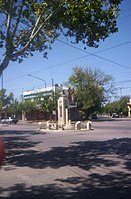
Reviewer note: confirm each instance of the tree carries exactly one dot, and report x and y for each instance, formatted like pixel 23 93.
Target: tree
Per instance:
pixel 111 107
pixel 92 88
pixel 47 101
pixel 28 106
pixel 48 105
pixel 33 25
pixel 5 100
pixel 118 106
pixel 123 105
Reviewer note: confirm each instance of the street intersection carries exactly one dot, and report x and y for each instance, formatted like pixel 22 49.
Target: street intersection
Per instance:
pixel 67 164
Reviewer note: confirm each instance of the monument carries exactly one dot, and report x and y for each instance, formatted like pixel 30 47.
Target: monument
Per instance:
pixel 63 104
pixel 66 111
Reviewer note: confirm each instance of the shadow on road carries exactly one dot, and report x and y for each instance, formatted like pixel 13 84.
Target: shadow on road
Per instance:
pixel 85 155
pixel 20 191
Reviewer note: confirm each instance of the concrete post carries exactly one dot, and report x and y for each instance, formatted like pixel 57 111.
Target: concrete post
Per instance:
pixel 89 125
pixel 23 116
pixel 62 110
pixel 129 111
pixel 67 116
pixel 78 125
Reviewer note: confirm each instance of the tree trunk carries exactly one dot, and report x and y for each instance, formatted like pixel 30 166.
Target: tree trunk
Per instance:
pixel 4 64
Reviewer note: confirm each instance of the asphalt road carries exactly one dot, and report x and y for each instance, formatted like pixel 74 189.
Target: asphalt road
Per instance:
pixel 59 165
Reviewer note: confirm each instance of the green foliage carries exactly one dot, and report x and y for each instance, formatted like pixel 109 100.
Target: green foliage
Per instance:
pixel 7 103
pixel 44 101
pixel 123 105
pixel 49 101
pixel 5 100
pixel 28 106
pixel 33 25
pixel 92 88
pixel 48 104
pixel 119 106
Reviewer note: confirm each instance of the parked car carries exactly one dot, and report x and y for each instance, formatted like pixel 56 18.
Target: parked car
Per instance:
pixel 115 115
pixel 9 120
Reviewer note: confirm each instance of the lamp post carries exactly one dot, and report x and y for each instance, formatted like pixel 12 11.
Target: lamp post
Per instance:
pixel 38 78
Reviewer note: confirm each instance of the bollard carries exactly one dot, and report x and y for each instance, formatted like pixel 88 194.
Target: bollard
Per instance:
pixel 78 125
pixel 48 125
pixel 89 125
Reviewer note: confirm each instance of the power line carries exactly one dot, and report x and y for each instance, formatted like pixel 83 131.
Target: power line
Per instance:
pixel 124 87
pixel 122 82
pixel 126 20
pixel 69 61
pixel 94 54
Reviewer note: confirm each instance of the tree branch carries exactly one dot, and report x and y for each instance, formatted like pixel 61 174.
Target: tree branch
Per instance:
pixel 18 19
pixel 22 36
pixel 9 18
pixel 40 27
pixel 35 31
pixel 36 26
pixel 4 64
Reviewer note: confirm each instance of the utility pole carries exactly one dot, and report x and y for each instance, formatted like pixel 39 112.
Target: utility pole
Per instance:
pixel 1 93
pixel 2 81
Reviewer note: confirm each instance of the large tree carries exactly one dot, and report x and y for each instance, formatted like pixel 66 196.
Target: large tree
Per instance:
pixel 92 88
pixel 33 25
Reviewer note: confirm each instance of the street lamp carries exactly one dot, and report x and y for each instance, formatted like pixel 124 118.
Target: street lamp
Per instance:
pixel 38 78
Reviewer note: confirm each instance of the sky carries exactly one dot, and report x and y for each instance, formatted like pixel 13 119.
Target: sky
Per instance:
pixel 113 57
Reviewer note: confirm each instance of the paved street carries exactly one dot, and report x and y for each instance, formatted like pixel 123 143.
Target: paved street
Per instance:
pixel 59 165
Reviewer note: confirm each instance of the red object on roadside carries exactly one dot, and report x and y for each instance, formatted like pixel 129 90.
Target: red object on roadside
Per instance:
pixel 1 151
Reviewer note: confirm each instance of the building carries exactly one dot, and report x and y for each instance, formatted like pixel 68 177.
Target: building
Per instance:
pixel 35 93
pixel 41 92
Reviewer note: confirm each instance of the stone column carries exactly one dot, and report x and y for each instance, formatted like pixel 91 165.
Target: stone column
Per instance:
pixel 67 116
pixel 62 112
pixel 129 111
pixel 23 116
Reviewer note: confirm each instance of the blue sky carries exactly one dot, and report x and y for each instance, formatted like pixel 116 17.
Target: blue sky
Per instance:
pixel 62 58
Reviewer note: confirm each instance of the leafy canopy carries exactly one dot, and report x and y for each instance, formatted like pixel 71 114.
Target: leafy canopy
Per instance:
pixel 118 106
pixel 5 100
pixel 92 88
pixel 33 25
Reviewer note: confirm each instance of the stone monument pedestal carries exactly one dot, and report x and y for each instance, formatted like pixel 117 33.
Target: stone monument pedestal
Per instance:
pixel 63 115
